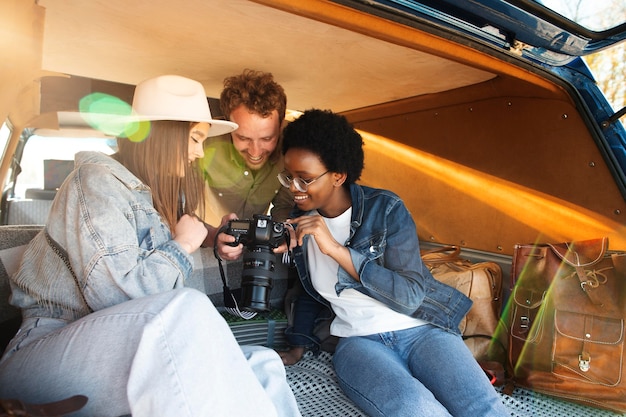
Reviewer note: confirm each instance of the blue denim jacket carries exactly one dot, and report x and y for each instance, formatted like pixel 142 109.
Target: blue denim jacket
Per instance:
pixel 385 252
pixel 117 245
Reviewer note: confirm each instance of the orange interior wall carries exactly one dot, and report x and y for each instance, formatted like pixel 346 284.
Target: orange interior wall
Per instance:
pixel 493 165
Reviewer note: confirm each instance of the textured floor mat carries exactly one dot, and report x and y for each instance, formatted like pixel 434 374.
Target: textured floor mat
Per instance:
pixel 314 384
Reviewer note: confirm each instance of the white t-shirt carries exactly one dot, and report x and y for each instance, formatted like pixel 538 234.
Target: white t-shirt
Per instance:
pixel 357 314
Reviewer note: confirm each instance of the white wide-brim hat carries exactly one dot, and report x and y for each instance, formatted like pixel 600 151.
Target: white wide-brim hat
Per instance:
pixel 172 97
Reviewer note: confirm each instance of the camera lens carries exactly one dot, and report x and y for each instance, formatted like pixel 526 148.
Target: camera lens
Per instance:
pixel 256 278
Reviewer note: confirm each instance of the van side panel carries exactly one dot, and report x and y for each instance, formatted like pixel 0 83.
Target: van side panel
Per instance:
pixel 532 171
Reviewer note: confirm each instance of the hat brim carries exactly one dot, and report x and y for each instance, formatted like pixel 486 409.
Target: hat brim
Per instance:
pixel 218 127
pixel 115 123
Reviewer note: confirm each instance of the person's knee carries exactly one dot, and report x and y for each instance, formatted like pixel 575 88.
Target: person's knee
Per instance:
pixel 183 303
pixel 263 359
pixel 193 299
pixel 260 354
pixel 190 293
pixel 352 346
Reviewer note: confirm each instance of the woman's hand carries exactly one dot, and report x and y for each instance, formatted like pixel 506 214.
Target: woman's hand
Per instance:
pixel 282 248
pixel 292 355
pixel 190 233
pixel 316 227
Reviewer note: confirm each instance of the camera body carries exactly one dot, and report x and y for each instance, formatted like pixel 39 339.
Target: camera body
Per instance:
pixel 259 237
pixel 260 231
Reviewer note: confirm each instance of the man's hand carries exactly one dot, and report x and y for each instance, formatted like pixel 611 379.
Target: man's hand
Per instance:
pixel 224 250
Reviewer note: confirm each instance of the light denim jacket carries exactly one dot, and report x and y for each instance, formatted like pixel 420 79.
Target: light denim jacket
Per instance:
pixel 116 243
pixel 384 247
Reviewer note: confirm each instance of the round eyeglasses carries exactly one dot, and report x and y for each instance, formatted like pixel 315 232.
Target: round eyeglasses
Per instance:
pixel 301 185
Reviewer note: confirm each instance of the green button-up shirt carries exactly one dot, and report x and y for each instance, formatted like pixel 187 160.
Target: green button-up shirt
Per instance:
pixel 232 187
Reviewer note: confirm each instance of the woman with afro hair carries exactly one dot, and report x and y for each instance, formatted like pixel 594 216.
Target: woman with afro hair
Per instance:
pixel 400 352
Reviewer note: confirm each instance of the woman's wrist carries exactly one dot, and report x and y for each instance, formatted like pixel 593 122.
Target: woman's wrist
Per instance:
pixel 187 246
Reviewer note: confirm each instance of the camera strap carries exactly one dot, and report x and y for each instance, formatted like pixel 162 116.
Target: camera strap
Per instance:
pixel 230 301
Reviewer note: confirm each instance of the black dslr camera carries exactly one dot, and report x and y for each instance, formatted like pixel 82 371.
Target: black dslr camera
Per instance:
pixel 258 236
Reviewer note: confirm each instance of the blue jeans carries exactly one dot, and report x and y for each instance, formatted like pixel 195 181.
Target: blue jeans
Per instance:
pixel 169 354
pixel 422 371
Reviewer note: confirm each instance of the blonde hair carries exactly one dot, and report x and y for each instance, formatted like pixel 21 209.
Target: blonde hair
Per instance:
pixel 158 162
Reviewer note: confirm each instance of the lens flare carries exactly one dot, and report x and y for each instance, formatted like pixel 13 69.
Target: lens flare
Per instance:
pixel 136 131
pixel 103 111
pixel 113 116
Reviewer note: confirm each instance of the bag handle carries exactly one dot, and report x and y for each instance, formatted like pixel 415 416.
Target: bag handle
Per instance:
pixel 441 255
pixel 581 253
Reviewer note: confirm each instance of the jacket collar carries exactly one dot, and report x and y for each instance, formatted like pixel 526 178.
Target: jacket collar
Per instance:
pixel 358 196
pixel 120 171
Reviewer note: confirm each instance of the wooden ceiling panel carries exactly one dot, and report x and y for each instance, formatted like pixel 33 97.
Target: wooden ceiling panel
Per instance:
pixel 318 64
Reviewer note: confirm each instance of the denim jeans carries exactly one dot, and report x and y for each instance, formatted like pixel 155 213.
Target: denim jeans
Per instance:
pixel 169 354
pixel 422 371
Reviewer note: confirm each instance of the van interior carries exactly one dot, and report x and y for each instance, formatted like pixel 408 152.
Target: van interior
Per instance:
pixel 485 153
pixel 487 149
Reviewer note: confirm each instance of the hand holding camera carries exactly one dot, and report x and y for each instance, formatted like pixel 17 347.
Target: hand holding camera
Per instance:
pixel 259 237
pixel 221 242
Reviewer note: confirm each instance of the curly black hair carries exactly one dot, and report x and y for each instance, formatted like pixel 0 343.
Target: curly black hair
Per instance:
pixel 331 137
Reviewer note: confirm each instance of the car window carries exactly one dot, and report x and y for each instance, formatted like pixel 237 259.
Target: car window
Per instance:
pixel 595 15
pixel 39 149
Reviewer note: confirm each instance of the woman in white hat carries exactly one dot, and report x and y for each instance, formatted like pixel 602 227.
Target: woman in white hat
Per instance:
pixel 104 310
